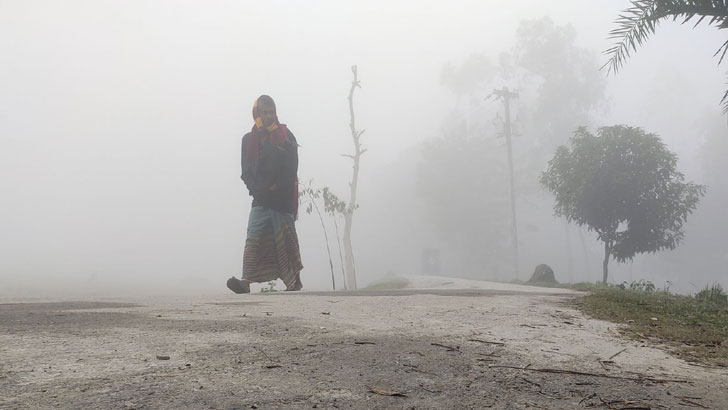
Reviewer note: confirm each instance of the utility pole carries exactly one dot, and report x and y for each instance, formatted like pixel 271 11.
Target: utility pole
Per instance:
pixel 505 94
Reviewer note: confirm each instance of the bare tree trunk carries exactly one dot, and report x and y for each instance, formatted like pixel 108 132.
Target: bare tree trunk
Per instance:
pixel 569 254
pixel 605 268
pixel 341 257
pixel 351 207
pixel 587 269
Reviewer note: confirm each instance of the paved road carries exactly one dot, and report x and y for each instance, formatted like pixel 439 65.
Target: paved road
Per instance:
pixel 408 349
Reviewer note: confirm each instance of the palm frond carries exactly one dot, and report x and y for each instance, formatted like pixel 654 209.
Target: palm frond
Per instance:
pixel 724 47
pixel 634 26
pixel 724 101
pixel 638 22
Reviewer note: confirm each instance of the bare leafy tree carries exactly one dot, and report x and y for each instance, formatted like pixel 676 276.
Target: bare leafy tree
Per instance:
pixel 638 22
pixel 352 205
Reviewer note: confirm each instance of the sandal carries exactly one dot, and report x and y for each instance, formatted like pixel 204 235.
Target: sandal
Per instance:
pixel 238 286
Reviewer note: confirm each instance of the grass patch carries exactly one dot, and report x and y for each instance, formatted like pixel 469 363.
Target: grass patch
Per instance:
pixel 539 284
pixel 589 286
pixel 394 283
pixel 546 284
pixel 694 328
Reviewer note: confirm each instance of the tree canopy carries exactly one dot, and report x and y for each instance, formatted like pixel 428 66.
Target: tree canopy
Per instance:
pixel 623 184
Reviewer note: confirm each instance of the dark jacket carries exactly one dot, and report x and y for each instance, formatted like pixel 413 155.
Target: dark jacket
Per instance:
pixel 277 167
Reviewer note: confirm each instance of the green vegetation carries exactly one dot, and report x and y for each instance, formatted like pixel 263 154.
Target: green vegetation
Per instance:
pixel 636 23
pixel 694 328
pixel 394 283
pixel 622 183
pixel 539 284
pixel 271 288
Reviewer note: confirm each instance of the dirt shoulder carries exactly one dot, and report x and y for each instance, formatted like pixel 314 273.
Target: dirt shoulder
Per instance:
pixel 437 344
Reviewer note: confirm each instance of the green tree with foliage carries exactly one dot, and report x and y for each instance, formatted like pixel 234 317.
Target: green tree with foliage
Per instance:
pixel 638 22
pixel 624 185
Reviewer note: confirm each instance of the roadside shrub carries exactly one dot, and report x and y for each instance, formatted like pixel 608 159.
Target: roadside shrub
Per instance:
pixel 713 295
pixel 271 287
pixel 642 286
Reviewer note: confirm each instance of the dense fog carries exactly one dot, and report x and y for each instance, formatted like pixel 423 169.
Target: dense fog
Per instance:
pixel 121 122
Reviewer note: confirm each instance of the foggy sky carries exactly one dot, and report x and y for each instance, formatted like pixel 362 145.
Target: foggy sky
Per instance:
pixel 120 124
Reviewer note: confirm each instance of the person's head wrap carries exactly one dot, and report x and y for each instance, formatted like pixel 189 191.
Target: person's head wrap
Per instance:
pixel 276 131
pixel 278 134
pixel 267 100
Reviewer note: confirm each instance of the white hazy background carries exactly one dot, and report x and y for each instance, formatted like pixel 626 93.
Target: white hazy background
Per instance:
pixel 120 128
